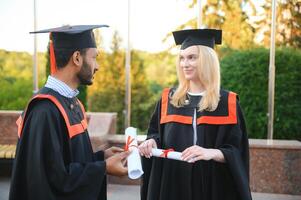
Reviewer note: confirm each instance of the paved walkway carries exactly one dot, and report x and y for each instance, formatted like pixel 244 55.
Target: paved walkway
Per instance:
pixel 131 192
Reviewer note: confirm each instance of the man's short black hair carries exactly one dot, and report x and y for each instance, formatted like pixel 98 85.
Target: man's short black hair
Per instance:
pixel 62 56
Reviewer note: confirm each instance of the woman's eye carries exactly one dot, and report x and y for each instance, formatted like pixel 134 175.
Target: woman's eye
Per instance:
pixel 193 57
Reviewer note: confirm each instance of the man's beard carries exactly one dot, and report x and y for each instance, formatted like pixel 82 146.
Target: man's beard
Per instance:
pixel 85 75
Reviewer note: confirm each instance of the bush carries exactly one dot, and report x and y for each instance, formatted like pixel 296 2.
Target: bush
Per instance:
pixel 247 72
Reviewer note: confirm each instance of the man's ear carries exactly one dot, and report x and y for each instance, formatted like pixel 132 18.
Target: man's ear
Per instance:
pixel 77 58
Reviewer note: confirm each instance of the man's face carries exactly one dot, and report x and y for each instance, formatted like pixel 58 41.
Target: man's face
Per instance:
pixel 89 67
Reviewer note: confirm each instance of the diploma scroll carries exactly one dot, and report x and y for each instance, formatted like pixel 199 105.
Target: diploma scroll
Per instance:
pixel 168 153
pixel 134 161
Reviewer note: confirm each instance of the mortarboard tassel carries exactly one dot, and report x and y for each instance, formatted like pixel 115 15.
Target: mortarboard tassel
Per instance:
pixel 52 56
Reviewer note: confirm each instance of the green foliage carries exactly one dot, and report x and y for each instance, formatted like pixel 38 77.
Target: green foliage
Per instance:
pixel 107 94
pixel 160 68
pixel 47 67
pixel 19 90
pixel 16 85
pixel 108 90
pixel 228 15
pixel 82 96
pixel 246 73
pixel 248 22
pixel 232 19
pixel 142 104
pixel 288 20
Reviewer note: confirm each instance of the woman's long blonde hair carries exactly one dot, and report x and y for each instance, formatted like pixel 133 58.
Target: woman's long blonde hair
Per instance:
pixel 209 75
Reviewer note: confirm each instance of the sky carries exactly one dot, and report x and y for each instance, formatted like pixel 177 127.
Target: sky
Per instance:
pixel 151 20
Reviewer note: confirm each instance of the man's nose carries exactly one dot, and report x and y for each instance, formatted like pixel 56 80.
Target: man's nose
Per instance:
pixel 96 67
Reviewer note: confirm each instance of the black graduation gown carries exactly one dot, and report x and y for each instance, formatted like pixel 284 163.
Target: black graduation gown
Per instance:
pixel 223 129
pixel 50 164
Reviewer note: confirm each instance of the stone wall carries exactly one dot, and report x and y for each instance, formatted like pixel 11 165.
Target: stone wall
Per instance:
pixel 8 127
pixel 100 125
pixel 275 166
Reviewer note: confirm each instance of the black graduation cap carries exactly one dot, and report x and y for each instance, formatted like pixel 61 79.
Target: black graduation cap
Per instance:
pixel 71 38
pixel 190 37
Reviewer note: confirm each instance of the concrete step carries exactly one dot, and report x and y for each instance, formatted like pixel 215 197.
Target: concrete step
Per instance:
pixel 267 196
pixel 132 192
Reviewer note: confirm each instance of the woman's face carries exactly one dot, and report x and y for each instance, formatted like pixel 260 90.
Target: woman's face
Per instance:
pixel 189 60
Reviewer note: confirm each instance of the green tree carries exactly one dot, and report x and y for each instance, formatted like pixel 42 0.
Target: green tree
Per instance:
pixel 16 86
pixel 230 16
pixel 142 102
pixel 107 94
pixel 288 19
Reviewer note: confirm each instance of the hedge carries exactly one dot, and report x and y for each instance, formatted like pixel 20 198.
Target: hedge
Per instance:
pixel 247 73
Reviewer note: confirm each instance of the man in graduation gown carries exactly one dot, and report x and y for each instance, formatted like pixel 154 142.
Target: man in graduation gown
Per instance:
pixel 214 144
pixel 54 157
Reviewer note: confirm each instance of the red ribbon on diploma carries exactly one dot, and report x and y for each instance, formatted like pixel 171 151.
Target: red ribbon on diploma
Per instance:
pixel 128 143
pixel 165 152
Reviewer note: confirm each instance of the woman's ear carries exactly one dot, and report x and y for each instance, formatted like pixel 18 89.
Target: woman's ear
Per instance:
pixel 77 58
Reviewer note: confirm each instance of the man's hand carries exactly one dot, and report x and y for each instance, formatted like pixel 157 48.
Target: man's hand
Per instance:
pixel 112 151
pixel 115 164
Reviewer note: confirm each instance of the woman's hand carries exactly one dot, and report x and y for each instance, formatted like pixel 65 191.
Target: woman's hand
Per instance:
pixel 195 153
pixel 145 148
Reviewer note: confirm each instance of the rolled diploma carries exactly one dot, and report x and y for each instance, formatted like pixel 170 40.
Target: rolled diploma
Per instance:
pixel 134 161
pixel 171 154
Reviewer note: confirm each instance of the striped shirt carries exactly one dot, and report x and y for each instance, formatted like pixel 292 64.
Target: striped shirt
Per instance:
pixel 61 87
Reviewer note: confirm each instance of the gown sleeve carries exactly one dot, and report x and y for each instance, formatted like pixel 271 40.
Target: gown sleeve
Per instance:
pixel 99 155
pixel 46 140
pixel 154 131
pixel 236 153
pixel 154 124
